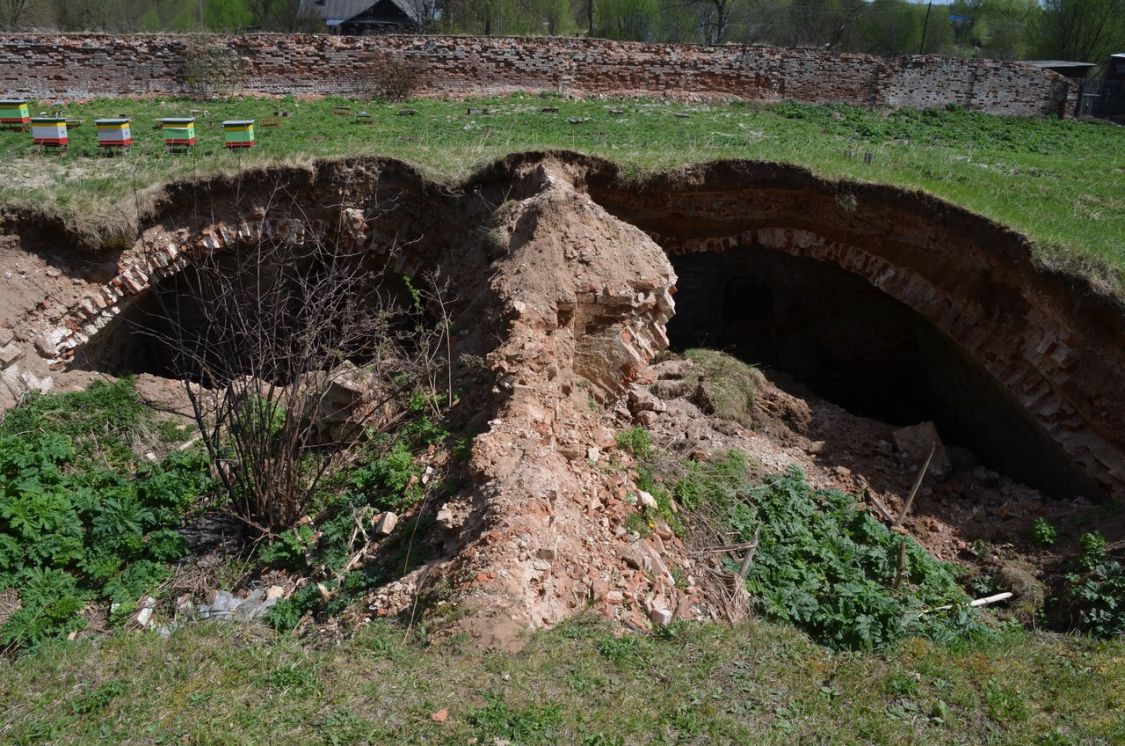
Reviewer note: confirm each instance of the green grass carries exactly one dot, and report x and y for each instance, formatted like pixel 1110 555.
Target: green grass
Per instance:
pixel 729 386
pixel 1059 182
pixel 756 683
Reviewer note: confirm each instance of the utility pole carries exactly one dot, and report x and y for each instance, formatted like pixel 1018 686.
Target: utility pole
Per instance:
pixel 925 26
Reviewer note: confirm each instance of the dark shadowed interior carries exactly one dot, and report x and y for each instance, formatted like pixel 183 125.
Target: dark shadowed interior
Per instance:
pixel 853 345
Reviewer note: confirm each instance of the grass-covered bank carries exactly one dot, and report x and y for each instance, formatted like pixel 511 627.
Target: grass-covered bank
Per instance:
pixel 756 683
pixel 1057 181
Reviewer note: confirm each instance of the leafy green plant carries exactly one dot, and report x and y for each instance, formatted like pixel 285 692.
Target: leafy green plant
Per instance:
pixel 821 563
pixel 292 677
pixel 287 613
pixel 342 727
pixel 1005 703
pixel 1094 548
pixel 289 549
pixel 388 481
pixel 635 441
pixel 1043 534
pixel 386 478
pixel 1097 589
pixel 51 600
pixel 97 700
pixel 81 517
pixel 624 651
pixel 832 570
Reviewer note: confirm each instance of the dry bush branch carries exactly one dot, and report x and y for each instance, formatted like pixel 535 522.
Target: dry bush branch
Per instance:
pixel 393 80
pixel 292 351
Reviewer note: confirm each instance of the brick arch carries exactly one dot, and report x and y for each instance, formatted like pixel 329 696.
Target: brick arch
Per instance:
pixel 160 259
pixel 1052 342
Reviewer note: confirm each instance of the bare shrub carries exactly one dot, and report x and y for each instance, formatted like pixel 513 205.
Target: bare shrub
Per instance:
pixel 393 80
pixel 293 351
pixel 209 70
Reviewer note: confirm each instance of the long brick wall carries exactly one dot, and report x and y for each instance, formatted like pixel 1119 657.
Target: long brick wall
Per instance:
pixel 85 66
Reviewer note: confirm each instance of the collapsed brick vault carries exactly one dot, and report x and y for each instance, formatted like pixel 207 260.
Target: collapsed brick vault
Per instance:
pixel 564 274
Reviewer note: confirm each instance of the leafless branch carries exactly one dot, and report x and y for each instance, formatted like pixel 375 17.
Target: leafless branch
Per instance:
pixel 292 351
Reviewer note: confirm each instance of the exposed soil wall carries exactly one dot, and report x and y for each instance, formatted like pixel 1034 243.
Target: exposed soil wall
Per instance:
pixel 85 66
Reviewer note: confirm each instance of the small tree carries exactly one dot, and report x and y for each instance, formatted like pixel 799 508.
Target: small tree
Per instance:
pixel 276 338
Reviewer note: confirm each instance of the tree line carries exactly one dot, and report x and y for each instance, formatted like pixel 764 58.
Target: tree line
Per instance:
pixel 1084 30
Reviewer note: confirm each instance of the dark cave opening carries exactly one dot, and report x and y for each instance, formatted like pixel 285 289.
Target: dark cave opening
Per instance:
pixel 853 345
pixel 217 322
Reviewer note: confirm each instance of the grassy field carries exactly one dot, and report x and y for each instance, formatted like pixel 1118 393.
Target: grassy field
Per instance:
pixel 1060 182
pixel 757 683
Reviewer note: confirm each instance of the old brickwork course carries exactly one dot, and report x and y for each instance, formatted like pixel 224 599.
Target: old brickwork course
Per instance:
pixel 85 66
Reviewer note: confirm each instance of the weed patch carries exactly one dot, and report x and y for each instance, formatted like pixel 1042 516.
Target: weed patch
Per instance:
pixel 1097 589
pixel 635 441
pixel 385 477
pixel 833 570
pixel 821 563
pixel 527 725
pixel 81 517
pixel 1043 534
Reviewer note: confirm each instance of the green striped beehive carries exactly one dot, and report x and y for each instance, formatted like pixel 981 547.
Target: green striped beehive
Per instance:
pixel 178 131
pixel 238 133
pixel 13 111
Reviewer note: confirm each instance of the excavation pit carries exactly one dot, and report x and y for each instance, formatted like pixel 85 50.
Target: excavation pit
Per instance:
pixel 892 305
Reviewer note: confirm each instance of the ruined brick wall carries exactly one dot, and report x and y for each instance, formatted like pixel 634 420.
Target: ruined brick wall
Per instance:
pixel 84 66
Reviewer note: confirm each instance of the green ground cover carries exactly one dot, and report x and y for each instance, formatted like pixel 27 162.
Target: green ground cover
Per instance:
pixel 1060 182
pixel 755 683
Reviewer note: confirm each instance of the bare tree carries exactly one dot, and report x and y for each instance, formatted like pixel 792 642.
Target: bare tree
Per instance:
pixel 293 350
pixel 1085 30
pixel 13 12
pixel 422 12
pixel 714 18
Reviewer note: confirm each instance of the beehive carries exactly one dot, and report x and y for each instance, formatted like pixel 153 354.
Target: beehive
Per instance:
pixel 178 131
pixel 50 132
pixel 13 112
pixel 238 133
pixel 114 133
